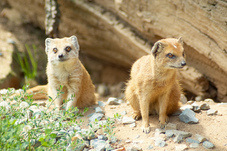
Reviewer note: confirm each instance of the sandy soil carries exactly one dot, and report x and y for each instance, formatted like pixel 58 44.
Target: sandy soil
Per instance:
pixel 211 127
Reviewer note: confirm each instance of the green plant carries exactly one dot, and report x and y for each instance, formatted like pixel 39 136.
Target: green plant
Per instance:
pixel 27 62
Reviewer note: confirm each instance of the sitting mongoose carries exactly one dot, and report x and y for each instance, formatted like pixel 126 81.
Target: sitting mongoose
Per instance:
pixel 153 85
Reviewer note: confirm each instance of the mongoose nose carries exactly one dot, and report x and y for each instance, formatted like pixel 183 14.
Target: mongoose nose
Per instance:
pixel 60 56
pixel 183 63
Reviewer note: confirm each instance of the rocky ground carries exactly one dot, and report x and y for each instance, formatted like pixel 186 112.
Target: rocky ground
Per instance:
pixel 200 125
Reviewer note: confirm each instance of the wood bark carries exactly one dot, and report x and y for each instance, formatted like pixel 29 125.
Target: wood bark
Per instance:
pixel 121 31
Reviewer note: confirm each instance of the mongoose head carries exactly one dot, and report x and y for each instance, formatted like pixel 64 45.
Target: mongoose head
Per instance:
pixel 62 50
pixel 169 53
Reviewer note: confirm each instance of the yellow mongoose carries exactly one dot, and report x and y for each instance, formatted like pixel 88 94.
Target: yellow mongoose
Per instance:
pixel 64 68
pixel 153 86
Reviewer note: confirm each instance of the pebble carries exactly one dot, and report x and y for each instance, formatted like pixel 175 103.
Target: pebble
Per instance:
pixel 186 107
pixel 208 145
pixel 160 142
pixel 194 145
pixel 98 145
pixel 188 116
pixel 212 112
pixel 159 131
pixel 204 106
pixel 170 133
pixel 209 100
pixel 102 137
pixel 200 138
pixel 181 147
pixel 150 147
pixel 134 147
pixel 189 140
pixel 113 101
pixel 171 126
pixel 95 116
pixel 196 107
pixel 183 99
pixel 127 120
pixel 123 112
pixel 190 102
pixel 99 110
pixel 100 103
pixel 132 125
pixel 178 138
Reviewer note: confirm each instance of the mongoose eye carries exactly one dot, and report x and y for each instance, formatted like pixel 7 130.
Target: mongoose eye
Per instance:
pixel 170 55
pixel 68 49
pixel 55 50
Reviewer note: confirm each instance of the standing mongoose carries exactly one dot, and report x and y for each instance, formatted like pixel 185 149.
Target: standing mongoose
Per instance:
pixel 153 85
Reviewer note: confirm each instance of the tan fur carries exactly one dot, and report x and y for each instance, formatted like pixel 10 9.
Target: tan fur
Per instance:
pixel 68 72
pixel 153 86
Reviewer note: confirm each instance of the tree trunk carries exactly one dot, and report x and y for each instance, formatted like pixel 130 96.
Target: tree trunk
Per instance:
pixel 121 31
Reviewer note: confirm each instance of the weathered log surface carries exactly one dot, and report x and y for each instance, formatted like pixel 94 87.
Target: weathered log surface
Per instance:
pixel 121 31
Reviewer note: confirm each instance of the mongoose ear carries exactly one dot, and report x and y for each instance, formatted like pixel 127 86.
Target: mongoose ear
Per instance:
pixel 47 44
pixel 180 40
pixel 158 46
pixel 75 42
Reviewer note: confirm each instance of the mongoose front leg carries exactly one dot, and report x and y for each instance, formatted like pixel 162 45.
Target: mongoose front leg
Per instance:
pixel 74 91
pixel 163 103
pixel 144 107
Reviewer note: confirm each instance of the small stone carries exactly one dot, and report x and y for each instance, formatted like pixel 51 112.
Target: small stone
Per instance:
pixel 159 131
pixel 102 137
pixel 95 116
pixel 183 99
pixel 123 112
pixel 189 140
pixel 100 103
pixel 99 110
pixel 171 126
pixel 186 107
pixel 24 105
pixel 160 142
pixel 10 41
pixel 181 147
pixel 127 120
pixel 113 101
pixel 212 112
pixel 98 145
pixel 188 116
pixel 209 100
pixel 200 138
pixel 178 139
pixel 170 133
pixel 208 145
pixel 135 147
pixel 190 102
pixel 204 106
pixel 196 107
pixel 194 145
pixel 198 98
pixel 150 147
pixel 138 136
pixel 132 125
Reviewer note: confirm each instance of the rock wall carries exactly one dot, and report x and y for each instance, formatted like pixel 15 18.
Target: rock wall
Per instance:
pixel 121 31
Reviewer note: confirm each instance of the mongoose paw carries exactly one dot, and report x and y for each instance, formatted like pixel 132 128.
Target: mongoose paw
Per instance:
pixel 146 129
pixel 136 116
pixel 163 122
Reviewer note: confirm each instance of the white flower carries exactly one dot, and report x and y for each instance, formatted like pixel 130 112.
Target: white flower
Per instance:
pixel 24 105
pixel 27 128
pixel 3 91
